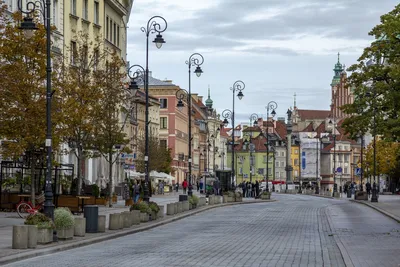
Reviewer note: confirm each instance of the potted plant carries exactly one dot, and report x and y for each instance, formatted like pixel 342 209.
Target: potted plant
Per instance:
pixel 45 227
pixel 194 200
pixel 265 195
pixel 114 198
pixel 154 210
pixel 145 210
pixel 64 222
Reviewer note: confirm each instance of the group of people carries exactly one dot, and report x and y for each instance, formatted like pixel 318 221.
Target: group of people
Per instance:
pixel 250 189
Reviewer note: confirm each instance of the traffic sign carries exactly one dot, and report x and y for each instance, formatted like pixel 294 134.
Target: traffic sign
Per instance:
pixel 358 171
pixel 339 169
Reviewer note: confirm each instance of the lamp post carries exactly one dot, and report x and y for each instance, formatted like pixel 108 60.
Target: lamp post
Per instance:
pixel 333 126
pixel 238 86
pixel 153 26
pixel 374 197
pixel 43 6
pixel 253 119
pixel 289 167
pixel 195 60
pixel 272 105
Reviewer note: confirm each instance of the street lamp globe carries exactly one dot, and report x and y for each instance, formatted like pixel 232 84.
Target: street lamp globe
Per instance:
pixel 28 26
pixel 180 105
pixel 159 41
pixel 273 113
pixel 240 95
pixel 255 123
pixel 198 71
pixel 225 122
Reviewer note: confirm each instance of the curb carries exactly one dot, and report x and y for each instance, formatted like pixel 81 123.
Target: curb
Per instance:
pixel 388 214
pixel 343 251
pixel 45 251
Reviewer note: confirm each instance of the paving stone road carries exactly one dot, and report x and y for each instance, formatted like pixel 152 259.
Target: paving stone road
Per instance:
pixel 294 231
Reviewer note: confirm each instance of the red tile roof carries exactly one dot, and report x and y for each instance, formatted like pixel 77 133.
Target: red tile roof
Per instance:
pixel 308 114
pixel 258 141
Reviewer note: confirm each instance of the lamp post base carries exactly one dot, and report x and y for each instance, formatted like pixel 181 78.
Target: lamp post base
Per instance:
pixel 317 190
pixel 374 197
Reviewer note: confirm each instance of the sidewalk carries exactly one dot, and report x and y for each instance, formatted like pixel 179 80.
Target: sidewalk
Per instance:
pixel 7 254
pixel 387 204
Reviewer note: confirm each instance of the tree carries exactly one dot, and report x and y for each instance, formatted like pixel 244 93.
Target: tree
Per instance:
pixel 23 91
pixel 377 86
pixel 387 154
pixel 79 80
pixel 111 118
pixel 160 157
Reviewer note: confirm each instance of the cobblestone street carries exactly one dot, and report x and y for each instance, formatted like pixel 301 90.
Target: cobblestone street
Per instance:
pixel 294 231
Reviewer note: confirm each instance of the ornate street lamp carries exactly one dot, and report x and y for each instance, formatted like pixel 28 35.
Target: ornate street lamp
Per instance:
pixel 272 105
pixel 153 26
pixel 30 9
pixel 332 127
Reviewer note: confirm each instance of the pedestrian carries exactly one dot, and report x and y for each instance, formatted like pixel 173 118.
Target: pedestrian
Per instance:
pixel 184 185
pixel 126 196
pixel 197 185
pixel 136 191
pixel 257 189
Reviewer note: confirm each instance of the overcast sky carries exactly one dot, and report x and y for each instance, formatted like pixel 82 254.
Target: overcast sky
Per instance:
pixel 276 47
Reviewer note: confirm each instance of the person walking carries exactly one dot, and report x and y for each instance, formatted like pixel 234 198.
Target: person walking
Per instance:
pixel 136 191
pixel 184 185
pixel 126 196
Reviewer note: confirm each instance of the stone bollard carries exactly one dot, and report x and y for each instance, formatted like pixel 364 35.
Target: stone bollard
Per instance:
pixel 202 201
pixel 114 221
pixel 144 217
pixel 171 209
pixel 80 226
pixel 180 208
pixel 217 199
pixel 121 221
pixel 20 236
pixel 32 236
pixel 211 200
pixel 161 211
pixel 185 206
pixel 102 224
pixel 175 208
pixel 136 216
pixel 126 219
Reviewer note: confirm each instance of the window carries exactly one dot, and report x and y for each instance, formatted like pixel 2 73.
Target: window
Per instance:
pixel 73 52
pixel 107 27
pixel 163 103
pixel 296 151
pixel 296 173
pixel 85 9
pixel 163 123
pixel 117 36
pixel 55 13
pixel 85 52
pixel 339 147
pixel 296 162
pixel 111 26
pixel 115 33
pixel 282 153
pixel 240 170
pixel 346 157
pixel 9 4
pixel 278 175
pixel 96 12
pixel 95 59
pixel 277 164
pixel 265 159
pixel 260 171
pixel 252 160
pixel 163 143
pixel 345 170
pixel 282 164
pixel 73 7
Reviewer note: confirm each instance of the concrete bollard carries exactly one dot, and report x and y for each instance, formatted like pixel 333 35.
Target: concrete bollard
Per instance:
pixel 211 200
pixel 202 201
pixel 101 224
pixel 185 205
pixel 126 219
pixel 32 236
pixel 179 205
pixel 136 217
pixel 161 211
pixel 121 221
pixel 114 221
pixel 218 200
pixel 144 217
pixel 80 226
pixel 20 236
pixel 175 208
pixel 171 209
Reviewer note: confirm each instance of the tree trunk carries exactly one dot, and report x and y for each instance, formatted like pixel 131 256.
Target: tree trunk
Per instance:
pixel 79 173
pixel 33 179
pixel 110 183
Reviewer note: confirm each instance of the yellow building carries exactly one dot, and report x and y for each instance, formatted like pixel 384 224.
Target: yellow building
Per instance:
pixel 295 157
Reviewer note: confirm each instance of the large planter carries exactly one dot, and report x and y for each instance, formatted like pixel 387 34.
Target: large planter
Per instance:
pixel 144 217
pixel 265 196
pixel 128 202
pixel 230 199
pixel 190 206
pixel 45 236
pixel 101 201
pixel 66 233
pixel 114 199
pixel 153 216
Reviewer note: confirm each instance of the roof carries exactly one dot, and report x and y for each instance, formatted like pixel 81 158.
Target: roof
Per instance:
pixel 258 141
pixel 155 82
pixel 252 129
pixel 224 132
pixel 309 114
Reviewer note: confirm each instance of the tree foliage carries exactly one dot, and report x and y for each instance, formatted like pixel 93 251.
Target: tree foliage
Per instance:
pixel 377 86
pixel 160 157
pixel 387 154
pixel 79 80
pixel 23 89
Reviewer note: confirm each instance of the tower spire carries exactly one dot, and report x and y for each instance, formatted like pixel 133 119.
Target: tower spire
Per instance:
pixel 209 91
pixel 209 102
pixel 338 57
pixel 294 106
